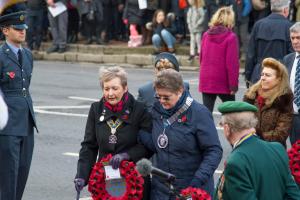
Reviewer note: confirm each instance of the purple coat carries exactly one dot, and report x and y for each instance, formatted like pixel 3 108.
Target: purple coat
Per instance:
pixel 219 61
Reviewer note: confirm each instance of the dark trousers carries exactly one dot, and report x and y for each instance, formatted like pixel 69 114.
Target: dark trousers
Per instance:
pixel 34 20
pixel 73 25
pixel 209 99
pixel 15 158
pixel 295 130
pixel 118 28
pixel 92 27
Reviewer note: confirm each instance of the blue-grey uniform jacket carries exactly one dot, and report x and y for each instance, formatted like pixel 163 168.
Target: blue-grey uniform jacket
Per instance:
pixel 14 82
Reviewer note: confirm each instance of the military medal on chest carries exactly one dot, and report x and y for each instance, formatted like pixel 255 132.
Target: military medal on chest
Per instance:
pixel 113 125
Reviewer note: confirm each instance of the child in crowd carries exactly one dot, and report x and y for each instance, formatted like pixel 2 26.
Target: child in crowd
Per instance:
pixel 133 16
pixel 195 19
pixel 163 31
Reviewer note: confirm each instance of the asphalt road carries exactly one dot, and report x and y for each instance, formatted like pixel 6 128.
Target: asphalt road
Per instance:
pixel 62 94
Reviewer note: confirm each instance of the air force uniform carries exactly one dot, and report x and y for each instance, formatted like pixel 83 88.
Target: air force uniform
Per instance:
pixel 17 138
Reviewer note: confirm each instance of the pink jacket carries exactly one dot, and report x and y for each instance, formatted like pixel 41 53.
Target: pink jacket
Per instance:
pixel 219 61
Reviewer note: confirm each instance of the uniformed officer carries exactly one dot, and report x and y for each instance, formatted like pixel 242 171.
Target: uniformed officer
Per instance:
pixel 16 139
pixel 255 169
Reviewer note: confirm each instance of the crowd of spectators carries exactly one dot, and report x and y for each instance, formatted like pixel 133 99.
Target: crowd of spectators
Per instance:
pixel 102 21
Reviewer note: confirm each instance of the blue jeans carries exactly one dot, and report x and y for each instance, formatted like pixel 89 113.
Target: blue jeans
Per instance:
pixel 165 37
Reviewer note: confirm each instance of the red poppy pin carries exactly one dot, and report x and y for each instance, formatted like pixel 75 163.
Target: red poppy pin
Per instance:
pixel 11 74
pixel 182 119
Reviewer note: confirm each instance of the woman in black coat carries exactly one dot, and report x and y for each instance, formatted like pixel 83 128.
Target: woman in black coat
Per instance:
pixel 112 127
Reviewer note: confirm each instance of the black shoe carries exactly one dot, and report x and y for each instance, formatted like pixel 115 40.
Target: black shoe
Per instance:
pixel 52 49
pixel 36 47
pixel 98 41
pixel 89 41
pixel 191 58
pixel 62 50
pixel 105 41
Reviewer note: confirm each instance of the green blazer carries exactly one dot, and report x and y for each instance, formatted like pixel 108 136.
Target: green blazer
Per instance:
pixel 257 169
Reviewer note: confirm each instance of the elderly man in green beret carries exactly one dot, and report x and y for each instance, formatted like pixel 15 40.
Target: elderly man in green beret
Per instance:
pixel 255 169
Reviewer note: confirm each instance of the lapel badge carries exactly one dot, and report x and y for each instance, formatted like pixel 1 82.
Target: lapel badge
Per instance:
pixel 22 17
pixel 182 119
pixel 11 74
pixel 101 118
pixel 102 115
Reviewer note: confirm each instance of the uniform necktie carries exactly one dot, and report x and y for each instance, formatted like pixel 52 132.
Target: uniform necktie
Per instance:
pixel 297 84
pixel 20 56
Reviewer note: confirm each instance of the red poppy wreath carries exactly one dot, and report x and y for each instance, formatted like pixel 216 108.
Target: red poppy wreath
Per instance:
pixel 134 181
pixel 195 194
pixel 294 156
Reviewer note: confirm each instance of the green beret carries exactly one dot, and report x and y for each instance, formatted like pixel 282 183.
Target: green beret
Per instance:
pixel 236 106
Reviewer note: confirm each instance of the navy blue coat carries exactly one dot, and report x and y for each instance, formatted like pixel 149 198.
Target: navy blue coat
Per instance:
pixel 193 153
pixel 270 37
pixel 14 82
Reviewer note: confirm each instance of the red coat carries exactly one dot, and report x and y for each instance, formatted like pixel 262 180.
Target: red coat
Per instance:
pixel 219 61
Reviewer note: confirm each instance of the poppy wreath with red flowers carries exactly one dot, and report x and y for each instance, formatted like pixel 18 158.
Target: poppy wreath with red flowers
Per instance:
pixel 294 156
pixel 195 194
pixel 134 181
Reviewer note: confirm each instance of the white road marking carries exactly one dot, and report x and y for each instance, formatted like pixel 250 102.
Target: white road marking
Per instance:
pixel 82 98
pixel 62 107
pixel 71 154
pixel 59 113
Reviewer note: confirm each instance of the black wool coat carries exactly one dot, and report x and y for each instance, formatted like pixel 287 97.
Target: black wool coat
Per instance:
pixel 134 116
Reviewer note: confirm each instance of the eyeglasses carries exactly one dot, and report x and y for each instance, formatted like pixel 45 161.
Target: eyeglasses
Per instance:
pixel 165 98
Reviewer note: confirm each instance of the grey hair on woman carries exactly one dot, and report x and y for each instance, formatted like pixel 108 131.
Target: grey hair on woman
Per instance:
pixel 109 73
pixel 239 121
pixel 170 80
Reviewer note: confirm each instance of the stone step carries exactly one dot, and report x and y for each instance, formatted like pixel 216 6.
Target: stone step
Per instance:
pixel 117 49
pixel 116 54
pixel 140 60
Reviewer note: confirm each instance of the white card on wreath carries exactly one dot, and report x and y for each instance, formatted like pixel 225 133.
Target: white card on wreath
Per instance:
pixel 111 173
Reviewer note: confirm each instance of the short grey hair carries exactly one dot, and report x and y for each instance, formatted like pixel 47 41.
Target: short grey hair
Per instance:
pixel 279 5
pixel 295 28
pixel 170 80
pixel 239 121
pixel 109 73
